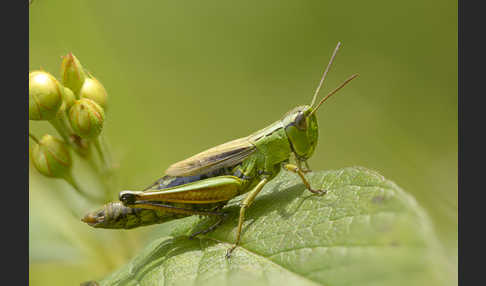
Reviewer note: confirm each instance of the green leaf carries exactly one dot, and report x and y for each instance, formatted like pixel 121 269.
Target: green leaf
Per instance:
pixel 364 231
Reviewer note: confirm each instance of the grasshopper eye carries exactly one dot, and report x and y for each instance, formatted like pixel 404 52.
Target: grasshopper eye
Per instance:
pixel 300 121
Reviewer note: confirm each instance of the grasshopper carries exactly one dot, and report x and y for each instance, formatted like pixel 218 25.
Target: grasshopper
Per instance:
pixel 205 182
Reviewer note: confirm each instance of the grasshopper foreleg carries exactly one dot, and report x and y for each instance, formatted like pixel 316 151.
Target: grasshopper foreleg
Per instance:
pixel 305 168
pixel 298 171
pixel 244 205
pixel 302 165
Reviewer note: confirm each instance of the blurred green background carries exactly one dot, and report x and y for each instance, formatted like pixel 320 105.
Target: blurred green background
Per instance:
pixel 183 76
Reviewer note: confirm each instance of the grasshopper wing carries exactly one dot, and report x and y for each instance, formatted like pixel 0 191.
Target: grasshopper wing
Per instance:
pixel 225 155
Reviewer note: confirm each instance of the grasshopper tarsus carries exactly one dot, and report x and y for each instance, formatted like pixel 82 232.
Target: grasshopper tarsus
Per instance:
pixel 229 251
pixel 307 169
pixel 318 192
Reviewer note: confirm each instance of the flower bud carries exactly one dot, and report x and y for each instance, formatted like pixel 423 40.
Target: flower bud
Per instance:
pixel 94 90
pixel 45 95
pixel 51 157
pixel 68 99
pixel 72 73
pixel 86 117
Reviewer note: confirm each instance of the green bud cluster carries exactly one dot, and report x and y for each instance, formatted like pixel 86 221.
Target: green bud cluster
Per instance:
pixel 75 106
pixel 79 98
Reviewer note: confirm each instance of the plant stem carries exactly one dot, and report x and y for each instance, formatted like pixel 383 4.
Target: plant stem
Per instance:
pixel 105 159
pixel 69 178
pixel 105 147
pixel 60 128
pixel 60 123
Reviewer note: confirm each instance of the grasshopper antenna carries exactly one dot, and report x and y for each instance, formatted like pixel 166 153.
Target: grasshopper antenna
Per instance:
pixel 333 92
pixel 325 73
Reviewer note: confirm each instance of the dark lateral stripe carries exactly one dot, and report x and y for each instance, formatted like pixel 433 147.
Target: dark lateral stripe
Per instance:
pixel 184 210
pixel 268 134
pixel 228 154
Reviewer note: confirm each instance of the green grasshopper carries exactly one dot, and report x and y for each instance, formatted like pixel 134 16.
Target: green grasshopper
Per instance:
pixel 205 182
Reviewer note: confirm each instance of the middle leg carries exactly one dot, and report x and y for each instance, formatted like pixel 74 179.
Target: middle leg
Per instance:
pixel 244 205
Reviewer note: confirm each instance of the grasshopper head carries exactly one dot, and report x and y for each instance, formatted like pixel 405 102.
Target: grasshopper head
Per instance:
pixel 301 126
pixel 302 131
pixel 301 122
